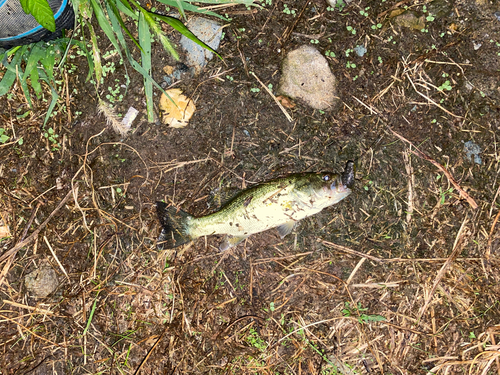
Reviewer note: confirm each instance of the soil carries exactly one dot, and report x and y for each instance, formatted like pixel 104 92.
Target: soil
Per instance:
pixel 398 278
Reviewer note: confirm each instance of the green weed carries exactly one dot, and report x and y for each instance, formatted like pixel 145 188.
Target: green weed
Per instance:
pixel 359 312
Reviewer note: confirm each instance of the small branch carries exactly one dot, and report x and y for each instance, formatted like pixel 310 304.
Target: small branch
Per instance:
pixel 274 97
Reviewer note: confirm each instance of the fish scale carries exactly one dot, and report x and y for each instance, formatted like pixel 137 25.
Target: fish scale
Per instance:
pixel 279 203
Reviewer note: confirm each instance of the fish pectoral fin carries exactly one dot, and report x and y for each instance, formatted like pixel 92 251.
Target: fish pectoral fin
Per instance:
pixel 231 241
pixel 286 228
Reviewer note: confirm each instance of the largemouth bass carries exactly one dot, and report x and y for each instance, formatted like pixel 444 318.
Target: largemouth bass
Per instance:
pixel 278 203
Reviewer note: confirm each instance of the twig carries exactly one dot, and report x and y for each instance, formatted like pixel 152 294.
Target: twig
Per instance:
pixel 36 309
pixel 457 246
pixel 490 236
pixel 22 244
pixel 56 258
pixel 430 100
pixel 448 175
pixel 351 251
pixel 369 107
pixel 274 97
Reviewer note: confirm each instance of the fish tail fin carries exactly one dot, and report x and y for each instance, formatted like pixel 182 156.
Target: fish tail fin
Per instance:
pixel 175 226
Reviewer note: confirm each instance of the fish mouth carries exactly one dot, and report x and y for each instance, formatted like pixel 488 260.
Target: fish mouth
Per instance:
pixel 348 175
pixel 340 188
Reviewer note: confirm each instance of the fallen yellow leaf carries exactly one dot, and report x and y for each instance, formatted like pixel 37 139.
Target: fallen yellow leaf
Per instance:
pixel 177 113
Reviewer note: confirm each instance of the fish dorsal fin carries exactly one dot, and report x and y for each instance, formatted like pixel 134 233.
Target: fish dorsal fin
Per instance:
pixel 231 241
pixel 286 228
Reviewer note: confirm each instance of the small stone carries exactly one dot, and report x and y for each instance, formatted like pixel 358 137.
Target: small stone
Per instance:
pixel 42 281
pixel 360 50
pixel 209 32
pixel 409 19
pixel 307 76
pixel 472 150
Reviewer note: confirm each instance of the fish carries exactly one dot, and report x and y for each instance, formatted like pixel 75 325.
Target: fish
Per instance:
pixel 279 203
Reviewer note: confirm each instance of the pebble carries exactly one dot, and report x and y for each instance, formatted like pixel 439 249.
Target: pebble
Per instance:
pixel 306 75
pixel 42 281
pixel 209 32
pixel 472 150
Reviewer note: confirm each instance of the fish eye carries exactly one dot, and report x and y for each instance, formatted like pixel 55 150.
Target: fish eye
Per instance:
pixel 326 177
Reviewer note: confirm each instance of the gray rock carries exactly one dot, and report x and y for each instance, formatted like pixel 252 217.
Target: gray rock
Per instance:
pixel 307 76
pixel 209 32
pixel 472 150
pixel 42 281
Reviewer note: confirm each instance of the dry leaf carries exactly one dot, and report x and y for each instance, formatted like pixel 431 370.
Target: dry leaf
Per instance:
pixel 4 228
pixel 176 115
pixel 286 102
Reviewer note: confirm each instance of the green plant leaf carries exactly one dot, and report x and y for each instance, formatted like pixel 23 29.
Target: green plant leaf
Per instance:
pixel 55 97
pixel 10 75
pixel 104 23
pixel 48 61
pixel 181 8
pixel 96 53
pixel 125 7
pixel 114 16
pixel 40 9
pixel 145 41
pixel 37 54
pixel 192 8
pixel 153 24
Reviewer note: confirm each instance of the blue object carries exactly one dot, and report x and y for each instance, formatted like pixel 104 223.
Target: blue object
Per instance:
pixel 18 28
pixel 360 50
pixel 473 150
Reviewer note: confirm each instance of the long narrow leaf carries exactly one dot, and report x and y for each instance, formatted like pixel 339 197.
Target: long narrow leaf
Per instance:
pixel 153 24
pixel 35 82
pixel 116 13
pixel 131 60
pixel 128 6
pixel 10 75
pixel 125 7
pixel 96 53
pixel 48 61
pixel 55 97
pixel 220 2
pixel 24 87
pixel 192 8
pixel 145 40
pixel 180 27
pixel 181 8
pixel 37 54
pixel 104 23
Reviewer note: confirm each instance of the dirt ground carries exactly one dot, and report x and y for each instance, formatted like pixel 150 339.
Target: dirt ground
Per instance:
pixel 399 278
